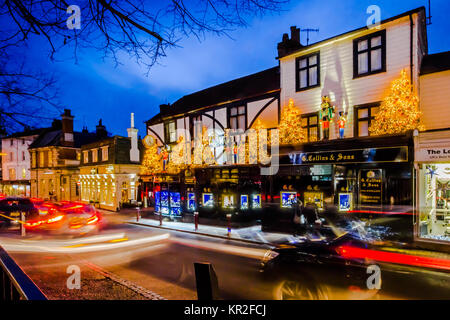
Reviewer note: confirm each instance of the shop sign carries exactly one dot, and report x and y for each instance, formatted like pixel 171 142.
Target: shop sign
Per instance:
pixel 433 154
pixel 393 154
pixel 370 187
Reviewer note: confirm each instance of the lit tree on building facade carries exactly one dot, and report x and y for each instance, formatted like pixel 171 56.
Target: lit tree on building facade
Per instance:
pixel 399 111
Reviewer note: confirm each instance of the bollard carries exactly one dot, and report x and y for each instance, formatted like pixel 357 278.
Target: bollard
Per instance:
pixel 206 281
pixel 229 224
pixel 196 220
pixel 23 232
pixel 160 218
pixel 138 214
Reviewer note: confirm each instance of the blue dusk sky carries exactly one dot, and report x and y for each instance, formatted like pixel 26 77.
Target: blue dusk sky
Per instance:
pixel 95 88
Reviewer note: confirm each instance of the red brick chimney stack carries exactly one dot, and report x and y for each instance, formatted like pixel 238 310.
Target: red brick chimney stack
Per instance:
pixel 67 129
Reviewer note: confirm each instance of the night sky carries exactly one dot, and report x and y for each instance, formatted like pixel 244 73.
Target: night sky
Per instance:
pixel 95 88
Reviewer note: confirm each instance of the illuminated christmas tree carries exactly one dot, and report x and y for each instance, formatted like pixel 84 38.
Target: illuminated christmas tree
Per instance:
pixel 290 128
pixel 151 164
pixel 178 157
pixel 399 111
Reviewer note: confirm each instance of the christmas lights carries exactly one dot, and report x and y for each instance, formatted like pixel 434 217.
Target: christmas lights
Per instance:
pixel 399 111
pixel 290 129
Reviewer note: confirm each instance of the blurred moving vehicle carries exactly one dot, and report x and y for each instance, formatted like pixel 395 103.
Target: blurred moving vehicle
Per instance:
pixel 64 217
pixel 345 267
pixel 11 209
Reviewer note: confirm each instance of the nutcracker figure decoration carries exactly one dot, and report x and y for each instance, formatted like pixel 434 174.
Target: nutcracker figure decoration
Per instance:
pixel 341 123
pixel 326 115
pixel 165 158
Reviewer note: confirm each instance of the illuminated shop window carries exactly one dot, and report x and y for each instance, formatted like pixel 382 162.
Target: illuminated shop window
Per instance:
pixel 244 201
pixel 288 199
pixel 208 200
pixel 191 205
pixel 434 205
pixel 256 201
pixel 228 201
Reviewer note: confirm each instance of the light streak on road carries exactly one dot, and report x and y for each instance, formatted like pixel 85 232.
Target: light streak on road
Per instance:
pixel 253 253
pixel 80 246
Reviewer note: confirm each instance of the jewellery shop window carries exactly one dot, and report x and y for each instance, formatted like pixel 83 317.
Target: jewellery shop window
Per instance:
pixel 434 205
pixel 345 186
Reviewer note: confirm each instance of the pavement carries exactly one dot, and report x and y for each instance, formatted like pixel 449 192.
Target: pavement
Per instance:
pixel 245 232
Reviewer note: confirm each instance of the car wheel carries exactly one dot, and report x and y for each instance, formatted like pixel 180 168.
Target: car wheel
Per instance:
pixel 302 289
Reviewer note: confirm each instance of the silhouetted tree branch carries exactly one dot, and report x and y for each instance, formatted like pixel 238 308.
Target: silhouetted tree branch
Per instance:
pixel 144 30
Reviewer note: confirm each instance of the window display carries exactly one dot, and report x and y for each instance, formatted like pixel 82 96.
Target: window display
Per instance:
pixel 256 201
pixel 288 199
pixel 244 202
pixel 345 202
pixel 175 203
pixel 191 205
pixel 434 189
pixel 208 200
pixel 228 201
pixel 315 198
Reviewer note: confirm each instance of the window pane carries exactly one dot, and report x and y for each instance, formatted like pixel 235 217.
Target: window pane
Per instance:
pixel 313 60
pixel 303 63
pixel 241 110
pixel 313 134
pixel 363 64
pixel 233 111
pixel 375 41
pixel 313 76
pixel 375 62
pixel 363 113
pixel 374 111
pixel 241 120
pixel 312 120
pixel 304 122
pixel 363 128
pixel 303 75
pixel 172 126
pixel 362 45
pixel 233 123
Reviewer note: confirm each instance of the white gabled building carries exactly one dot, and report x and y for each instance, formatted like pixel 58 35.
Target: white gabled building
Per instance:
pixel 16 163
pixel 354 69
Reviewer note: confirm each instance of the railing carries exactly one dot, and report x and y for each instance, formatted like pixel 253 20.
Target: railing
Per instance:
pixel 14 283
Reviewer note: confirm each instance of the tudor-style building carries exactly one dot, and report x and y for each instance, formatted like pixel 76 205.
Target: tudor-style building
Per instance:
pixel 238 105
pixel 359 173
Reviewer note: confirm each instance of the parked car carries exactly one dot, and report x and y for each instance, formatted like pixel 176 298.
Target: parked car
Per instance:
pixel 341 267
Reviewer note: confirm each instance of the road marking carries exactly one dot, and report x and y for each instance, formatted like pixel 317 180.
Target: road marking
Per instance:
pixel 130 285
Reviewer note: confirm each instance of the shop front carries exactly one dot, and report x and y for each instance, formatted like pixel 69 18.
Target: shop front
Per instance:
pixel 235 190
pixel 109 187
pixel 15 188
pixel 366 178
pixel 432 155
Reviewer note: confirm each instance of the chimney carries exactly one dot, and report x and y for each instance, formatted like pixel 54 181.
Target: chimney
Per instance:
pixel 133 134
pixel 287 45
pixel 295 34
pixel 164 107
pixel 100 130
pixel 67 129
